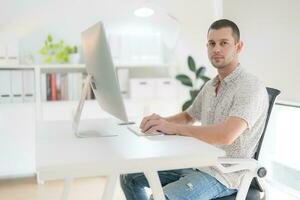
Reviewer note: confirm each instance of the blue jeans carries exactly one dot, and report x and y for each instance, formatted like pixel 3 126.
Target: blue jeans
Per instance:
pixel 181 184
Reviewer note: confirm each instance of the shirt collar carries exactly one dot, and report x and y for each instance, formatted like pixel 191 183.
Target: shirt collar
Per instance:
pixel 231 77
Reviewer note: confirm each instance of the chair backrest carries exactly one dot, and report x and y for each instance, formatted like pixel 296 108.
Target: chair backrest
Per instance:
pixel 273 93
pixel 255 186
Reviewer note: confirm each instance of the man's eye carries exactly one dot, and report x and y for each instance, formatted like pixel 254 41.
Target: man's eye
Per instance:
pixel 224 43
pixel 211 44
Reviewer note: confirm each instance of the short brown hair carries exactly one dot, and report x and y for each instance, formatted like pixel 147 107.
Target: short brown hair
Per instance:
pixel 223 23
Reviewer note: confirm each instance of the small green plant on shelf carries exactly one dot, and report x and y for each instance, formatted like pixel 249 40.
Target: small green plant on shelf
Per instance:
pixel 58 52
pixel 193 83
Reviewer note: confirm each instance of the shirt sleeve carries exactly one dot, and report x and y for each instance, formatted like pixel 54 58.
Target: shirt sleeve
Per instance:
pixel 249 103
pixel 195 109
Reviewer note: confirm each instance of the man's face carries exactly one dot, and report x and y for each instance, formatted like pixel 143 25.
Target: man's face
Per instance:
pixel 221 47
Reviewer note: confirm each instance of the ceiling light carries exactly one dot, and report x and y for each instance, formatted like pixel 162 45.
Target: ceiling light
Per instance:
pixel 143 12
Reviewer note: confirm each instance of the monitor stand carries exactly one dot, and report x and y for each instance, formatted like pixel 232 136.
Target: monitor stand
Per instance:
pixel 76 119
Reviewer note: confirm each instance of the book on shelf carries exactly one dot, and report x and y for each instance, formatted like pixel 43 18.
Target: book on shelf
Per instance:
pixel 63 86
pixel 16 86
pixel 53 90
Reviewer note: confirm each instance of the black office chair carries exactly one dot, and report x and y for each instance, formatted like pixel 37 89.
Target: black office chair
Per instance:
pixel 255 188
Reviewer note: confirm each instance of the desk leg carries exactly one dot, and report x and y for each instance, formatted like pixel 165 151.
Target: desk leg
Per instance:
pixel 243 190
pixel 67 187
pixel 110 187
pixel 38 179
pixel 155 185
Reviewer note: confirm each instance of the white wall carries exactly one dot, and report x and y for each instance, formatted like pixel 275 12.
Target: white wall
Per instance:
pixel 270 30
pixel 65 19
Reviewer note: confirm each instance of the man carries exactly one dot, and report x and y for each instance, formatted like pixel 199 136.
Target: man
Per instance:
pixel 232 109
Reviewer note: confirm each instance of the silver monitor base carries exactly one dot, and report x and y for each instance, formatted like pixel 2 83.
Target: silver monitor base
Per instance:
pixel 92 133
pixel 76 119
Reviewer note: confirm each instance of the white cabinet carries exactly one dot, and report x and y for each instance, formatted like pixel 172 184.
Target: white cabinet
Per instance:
pixel 165 88
pixel 17 139
pixel 141 88
pixel 17 122
pixel 152 88
pixel 155 95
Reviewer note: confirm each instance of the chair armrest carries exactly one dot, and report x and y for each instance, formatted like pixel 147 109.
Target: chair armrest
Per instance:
pixel 237 164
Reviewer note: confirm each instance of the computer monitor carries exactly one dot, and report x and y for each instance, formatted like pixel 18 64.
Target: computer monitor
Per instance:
pixel 101 77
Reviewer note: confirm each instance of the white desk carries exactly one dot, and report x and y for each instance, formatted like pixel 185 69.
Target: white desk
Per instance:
pixel 60 155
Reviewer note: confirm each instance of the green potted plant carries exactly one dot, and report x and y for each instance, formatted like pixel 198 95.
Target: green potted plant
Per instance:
pixel 56 52
pixel 193 83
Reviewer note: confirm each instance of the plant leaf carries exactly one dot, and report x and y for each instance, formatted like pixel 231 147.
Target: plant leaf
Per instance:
pixel 204 78
pixel 185 80
pixel 187 104
pixel 194 93
pixel 48 60
pixel 75 50
pixel 191 63
pixel 49 38
pixel 200 72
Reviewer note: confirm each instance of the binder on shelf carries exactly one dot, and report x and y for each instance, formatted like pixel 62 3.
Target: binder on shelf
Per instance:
pixel 12 53
pixel 75 83
pixel 64 87
pixel 43 87
pixel 79 85
pixel 16 86
pixel 58 86
pixel 5 86
pixel 28 86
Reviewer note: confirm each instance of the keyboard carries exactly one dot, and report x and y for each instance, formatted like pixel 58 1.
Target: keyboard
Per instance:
pixel 136 130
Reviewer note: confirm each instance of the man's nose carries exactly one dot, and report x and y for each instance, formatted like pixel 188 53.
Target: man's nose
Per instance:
pixel 217 50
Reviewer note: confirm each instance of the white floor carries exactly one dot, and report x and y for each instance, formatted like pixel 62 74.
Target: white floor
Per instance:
pixel 279 192
pixel 84 188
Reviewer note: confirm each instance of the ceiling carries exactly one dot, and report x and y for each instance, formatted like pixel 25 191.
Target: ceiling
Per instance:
pixel 23 16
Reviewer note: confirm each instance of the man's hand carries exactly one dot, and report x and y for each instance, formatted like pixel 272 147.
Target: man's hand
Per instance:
pixel 147 118
pixel 155 122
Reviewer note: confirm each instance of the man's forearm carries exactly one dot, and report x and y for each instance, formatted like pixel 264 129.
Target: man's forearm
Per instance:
pixel 181 118
pixel 212 134
pixel 223 133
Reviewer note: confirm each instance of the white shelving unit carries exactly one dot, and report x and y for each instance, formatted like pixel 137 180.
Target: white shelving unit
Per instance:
pixel 17 138
pixel 157 76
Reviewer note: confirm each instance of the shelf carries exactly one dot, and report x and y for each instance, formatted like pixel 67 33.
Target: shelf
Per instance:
pixel 145 65
pixel 50 68
pixel 9 66
pixel 62 68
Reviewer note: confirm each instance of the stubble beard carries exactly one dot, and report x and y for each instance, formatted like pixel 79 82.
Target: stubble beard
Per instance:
pixel 219 65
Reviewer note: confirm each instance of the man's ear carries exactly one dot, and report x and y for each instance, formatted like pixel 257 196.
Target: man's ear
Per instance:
pixel 239 46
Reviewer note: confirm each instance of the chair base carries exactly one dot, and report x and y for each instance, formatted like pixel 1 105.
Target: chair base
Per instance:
pixel 253 194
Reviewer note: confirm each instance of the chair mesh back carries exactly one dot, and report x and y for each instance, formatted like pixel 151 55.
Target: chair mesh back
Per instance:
pixel 273 93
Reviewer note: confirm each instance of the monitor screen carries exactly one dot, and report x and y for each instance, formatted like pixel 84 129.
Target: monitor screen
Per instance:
pixel 99 66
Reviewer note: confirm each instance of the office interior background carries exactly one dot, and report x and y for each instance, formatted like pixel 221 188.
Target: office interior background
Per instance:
pixel 148 52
